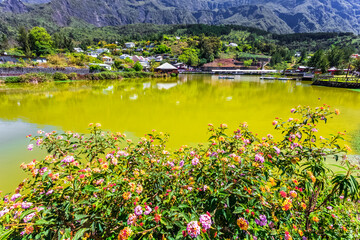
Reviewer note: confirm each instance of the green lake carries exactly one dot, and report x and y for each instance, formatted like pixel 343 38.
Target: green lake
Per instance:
pixel 182 108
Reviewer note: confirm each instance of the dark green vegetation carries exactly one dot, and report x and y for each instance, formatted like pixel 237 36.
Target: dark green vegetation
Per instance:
pixel 335 57
pixel 277 16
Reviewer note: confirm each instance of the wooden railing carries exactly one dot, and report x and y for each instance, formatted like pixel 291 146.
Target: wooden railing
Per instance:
pixel 340 82
pixel 339 79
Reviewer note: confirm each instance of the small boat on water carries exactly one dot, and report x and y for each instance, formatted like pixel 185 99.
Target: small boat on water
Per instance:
pixel 285 78
pixel 226 77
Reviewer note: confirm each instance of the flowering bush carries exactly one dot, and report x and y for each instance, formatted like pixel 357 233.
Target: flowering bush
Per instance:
pixel 102 186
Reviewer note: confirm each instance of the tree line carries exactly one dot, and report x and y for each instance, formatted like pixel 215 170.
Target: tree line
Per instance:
pixel 38 41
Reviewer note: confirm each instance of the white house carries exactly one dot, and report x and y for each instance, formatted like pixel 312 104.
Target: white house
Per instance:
pixel 93 54
pixel 107 60
pixel 158 58
pixel 78 50
pixel 233 45
pixel 145 65
pixel 129 45
pixel 102 50
pixel 41 60
pixel 180 65
pixel 125 56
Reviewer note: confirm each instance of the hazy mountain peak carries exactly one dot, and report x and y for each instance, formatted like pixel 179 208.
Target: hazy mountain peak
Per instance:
pixel 14 6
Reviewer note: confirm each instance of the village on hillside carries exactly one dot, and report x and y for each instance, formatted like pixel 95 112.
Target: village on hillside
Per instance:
pixel 173 55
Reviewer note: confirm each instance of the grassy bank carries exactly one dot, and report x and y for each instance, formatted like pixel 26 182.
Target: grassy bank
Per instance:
pixel 47 77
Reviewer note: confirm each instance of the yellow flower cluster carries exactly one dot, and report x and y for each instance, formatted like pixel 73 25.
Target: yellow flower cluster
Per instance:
pixel 242 223
pixel 287 204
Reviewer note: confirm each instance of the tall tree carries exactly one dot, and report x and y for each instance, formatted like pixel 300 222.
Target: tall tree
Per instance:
pixel 189 57
pixel 335 57
pixel 275 59
pixel 40 41
pixel 4 44
pixel 85 44
pixel 23 40
pixel 58 40
pixel 356 64
pixel 63 42
pixel 209 47
pixel 68 44
pixel 340 57
pixel 303 55
pixel 320 60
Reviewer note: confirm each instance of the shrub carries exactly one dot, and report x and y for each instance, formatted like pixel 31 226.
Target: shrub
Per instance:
pixel 72 76
pixel 160 49
pixel 57 60
pixel 129 70
pixel 109 75
pixel 58 76
pixel 138 67
pixel 12 79
pixel 36 77
pixel 96 68
pixel 237 187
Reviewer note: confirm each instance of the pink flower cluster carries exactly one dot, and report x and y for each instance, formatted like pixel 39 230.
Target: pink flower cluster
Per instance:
pixel 26 205
pixel 195 161
pixel 138 210
pixel 4 211
pixel 193 229
pixel 148 210
pixel 205 221
pixel 15 196
pixel 29 217
pixel 68 159
pixel 132 220
pixel 259 158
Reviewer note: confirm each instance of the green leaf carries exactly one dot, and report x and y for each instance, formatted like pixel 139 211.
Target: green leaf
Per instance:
pixel 91 188
pixel 6 235
pixel 26 213
pixel 80 233
pixel 175 209
pixel 183 206
pixel 239 210
pixel 80 216
pixel 41 222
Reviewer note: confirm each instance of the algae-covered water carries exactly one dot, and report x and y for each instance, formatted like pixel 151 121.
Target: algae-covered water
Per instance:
pixel 182 108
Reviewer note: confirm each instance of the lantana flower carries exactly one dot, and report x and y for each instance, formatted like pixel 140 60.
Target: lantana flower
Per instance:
pixel 193 229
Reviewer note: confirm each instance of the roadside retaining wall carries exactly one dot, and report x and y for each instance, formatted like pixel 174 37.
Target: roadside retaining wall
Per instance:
pixel 21 71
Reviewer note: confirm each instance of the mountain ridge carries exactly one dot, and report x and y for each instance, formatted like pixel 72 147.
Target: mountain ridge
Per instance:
pixel 277 16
